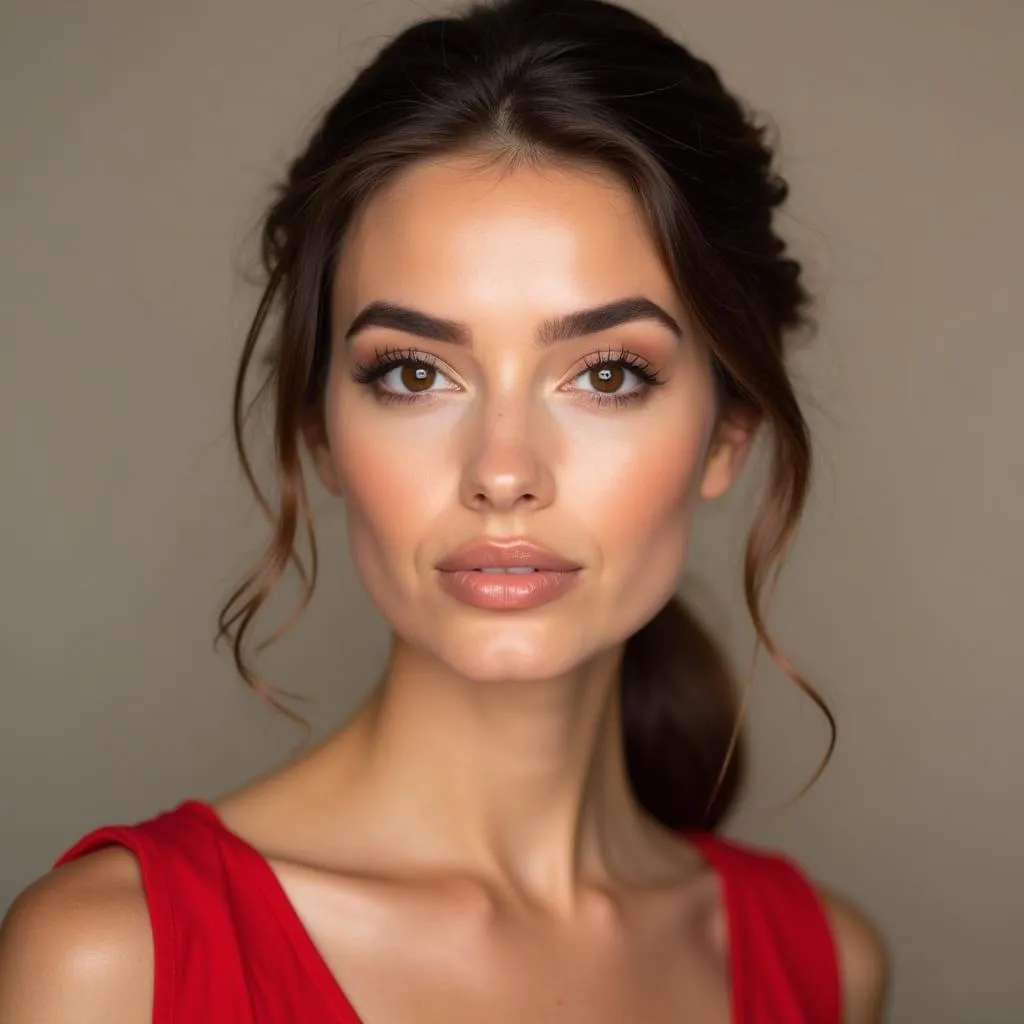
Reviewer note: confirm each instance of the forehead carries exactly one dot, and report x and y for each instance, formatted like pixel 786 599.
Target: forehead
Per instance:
pixel 458 230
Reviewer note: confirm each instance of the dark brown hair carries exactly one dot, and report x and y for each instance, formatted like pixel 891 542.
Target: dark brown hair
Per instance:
pixel 583 83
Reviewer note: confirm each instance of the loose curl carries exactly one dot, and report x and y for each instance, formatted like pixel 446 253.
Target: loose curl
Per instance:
pixel 580 83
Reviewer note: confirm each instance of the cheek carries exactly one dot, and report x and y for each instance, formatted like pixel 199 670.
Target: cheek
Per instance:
pixel 634 485
pixel 393 482
pixel 635 492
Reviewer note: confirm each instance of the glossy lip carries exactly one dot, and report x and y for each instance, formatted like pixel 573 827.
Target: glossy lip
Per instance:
pixel 509 554
pixel 507 591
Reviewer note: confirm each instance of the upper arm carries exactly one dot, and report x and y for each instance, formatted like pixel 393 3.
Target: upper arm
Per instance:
pixel 864 961
pixel 76 946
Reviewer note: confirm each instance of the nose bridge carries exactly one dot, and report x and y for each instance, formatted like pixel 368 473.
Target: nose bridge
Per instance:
pixel 507 452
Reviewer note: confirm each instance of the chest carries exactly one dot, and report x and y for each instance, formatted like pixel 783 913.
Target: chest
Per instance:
pixel 406 958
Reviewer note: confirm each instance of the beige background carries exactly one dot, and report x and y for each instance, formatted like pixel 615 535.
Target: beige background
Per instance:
pixel 140 139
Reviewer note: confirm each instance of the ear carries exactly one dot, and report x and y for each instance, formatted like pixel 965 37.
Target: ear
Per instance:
pixel 319 447
pixel 728 450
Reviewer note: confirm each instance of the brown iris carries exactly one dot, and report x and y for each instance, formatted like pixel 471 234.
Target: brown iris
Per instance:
pixel 418 376
pixel 607 377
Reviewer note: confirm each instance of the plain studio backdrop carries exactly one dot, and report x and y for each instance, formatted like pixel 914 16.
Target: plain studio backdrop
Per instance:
pixel 140 141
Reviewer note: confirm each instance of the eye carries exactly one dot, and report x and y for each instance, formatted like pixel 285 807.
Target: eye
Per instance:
pixel 401 376
pixel 606 378
pixel 617 377
pixel 412 376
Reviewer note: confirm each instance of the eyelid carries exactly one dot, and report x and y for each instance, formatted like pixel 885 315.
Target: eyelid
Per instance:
pixel 383 360
pixel 638 365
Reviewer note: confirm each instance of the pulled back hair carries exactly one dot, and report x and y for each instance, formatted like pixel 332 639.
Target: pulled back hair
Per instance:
pixel 580 83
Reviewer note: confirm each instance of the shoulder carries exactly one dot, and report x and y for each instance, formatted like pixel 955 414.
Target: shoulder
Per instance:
pixel 865 962
pixel 76 946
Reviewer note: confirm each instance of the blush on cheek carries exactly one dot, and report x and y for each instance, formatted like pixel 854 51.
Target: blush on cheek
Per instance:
pixel 650 515
pixel 379 469
pixel 370 558
pixel 394 493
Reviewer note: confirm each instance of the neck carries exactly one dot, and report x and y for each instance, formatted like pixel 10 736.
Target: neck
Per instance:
pixel 523 783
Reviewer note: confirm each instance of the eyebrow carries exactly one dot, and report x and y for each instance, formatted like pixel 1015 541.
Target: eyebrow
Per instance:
pixel 555 329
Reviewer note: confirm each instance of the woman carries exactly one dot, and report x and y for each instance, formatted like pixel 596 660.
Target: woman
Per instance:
pixel 531 311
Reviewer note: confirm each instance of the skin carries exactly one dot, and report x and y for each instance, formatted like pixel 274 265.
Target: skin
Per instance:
pixel 481 785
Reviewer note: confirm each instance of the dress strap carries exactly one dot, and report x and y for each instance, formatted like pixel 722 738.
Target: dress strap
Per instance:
pixel 782 953
pixel 228 946
pixel 199 973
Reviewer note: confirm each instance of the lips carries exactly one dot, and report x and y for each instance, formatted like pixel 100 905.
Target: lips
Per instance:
pixel 512 554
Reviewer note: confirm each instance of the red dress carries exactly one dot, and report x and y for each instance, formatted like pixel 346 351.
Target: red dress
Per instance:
pixel 230 949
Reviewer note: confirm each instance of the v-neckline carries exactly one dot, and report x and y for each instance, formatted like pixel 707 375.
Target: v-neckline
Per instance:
pixel 332 988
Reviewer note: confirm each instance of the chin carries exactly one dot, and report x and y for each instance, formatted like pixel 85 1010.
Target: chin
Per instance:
pixel 532 668
pixel 510 653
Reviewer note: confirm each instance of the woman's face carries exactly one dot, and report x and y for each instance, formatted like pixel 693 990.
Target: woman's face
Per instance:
pixel 595 445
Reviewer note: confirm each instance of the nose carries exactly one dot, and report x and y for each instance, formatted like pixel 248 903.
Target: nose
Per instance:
pixel 505 469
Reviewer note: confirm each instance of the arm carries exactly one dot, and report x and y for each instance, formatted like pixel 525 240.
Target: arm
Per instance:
pixel 865 963
pixel 76 946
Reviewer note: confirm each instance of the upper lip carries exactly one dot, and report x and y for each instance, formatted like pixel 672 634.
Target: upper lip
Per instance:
pixel 506 554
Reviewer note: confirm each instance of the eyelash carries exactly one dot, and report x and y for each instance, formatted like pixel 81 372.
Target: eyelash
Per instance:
pixel 385 360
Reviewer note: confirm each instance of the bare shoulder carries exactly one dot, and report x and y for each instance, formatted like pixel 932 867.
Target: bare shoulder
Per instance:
pixel 865 962
pixel 76 946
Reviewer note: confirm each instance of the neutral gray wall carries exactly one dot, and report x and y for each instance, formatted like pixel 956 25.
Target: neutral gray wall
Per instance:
pixel 139 141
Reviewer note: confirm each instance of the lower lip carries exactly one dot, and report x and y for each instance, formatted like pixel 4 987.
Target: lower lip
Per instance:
pixel 507 590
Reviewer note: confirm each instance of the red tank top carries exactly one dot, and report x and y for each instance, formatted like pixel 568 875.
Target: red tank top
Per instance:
pixel 230 949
